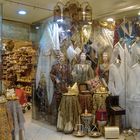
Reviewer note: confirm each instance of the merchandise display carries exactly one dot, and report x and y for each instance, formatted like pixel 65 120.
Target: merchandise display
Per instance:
pixel 83 77
pixel 18 66
pixel 97 69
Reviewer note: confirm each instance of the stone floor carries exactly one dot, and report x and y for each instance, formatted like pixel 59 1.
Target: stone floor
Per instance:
pixel 38 131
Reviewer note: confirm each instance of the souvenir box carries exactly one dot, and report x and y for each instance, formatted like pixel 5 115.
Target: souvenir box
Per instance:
pixel 111 132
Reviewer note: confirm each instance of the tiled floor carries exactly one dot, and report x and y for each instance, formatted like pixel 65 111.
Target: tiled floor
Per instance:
pixel 38 131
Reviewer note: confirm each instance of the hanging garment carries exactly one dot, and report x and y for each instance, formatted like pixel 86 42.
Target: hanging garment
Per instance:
pixel 82 73
pixel 115 82
pixel 127 31
pixel 48 43
pixel 134 53
pixel 134 84
pixel 133 98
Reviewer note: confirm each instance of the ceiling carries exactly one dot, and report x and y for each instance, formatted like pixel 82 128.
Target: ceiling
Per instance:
pixel 41 9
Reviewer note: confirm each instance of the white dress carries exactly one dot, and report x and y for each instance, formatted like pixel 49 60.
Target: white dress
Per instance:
pixel 117 74
pixel 134 96
pixel 115 81
pixel 49 42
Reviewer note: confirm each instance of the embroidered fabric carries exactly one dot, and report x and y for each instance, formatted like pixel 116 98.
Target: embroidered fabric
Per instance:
pixel 68 115
pixel 82 73
pixel 6 123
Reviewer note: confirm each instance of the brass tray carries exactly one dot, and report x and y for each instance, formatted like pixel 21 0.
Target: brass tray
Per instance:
pixel 79 133
pixel 94 134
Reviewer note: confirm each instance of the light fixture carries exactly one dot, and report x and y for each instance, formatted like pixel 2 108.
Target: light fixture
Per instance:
pixel 139 13
pixel 22 12
pixel 84 12
pixel 89 23
pixel 37 27
pixel 68 30
pixel 110 20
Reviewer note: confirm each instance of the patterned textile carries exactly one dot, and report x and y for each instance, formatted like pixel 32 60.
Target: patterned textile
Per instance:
pixel 68 115
pixel 82 73
pixel 86 102
pixel 99 101
pixel 5 123
pixel 61 78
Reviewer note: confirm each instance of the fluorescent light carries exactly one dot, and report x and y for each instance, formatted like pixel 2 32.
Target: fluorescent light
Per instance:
pixel 139 13
pixel 22 12
pixel 110 19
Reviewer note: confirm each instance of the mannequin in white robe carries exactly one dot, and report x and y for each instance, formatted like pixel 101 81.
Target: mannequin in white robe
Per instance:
pixel 115 81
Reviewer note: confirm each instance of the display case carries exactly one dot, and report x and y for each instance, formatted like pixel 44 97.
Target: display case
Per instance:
pixel 106 93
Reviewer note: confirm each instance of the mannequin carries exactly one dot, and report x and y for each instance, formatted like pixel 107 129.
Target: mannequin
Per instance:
pixel 104 68
pixel 115 81
pixel 82 71
pixel 61 77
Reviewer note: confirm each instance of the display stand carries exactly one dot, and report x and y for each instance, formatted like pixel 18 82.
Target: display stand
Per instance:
pixel 68 113
pixel 87 119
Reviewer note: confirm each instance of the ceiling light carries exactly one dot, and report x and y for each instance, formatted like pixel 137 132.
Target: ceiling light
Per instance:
pixel 139 13
pixel 90 23
pixel 22 12
pixel 84 12
pixel 110 19
pixel 37 27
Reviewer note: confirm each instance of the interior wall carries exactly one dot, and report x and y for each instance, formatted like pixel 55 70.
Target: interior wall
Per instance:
pixel 15 30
